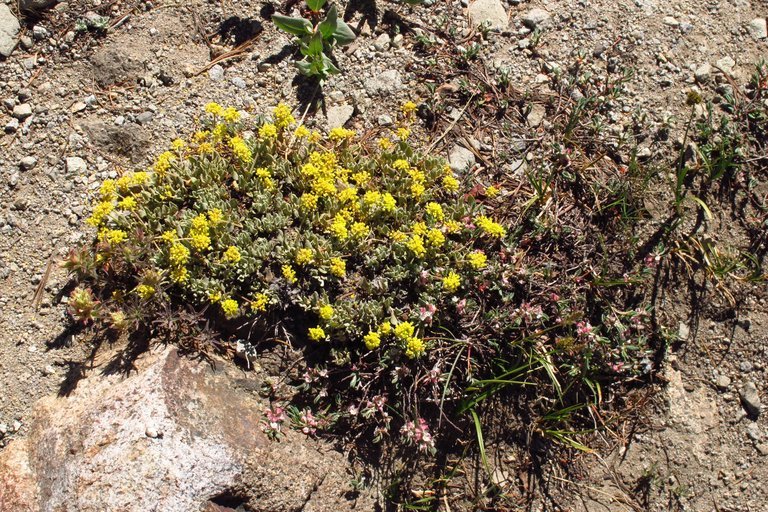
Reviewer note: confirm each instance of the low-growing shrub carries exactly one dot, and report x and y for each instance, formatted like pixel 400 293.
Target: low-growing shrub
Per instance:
pixel 394 275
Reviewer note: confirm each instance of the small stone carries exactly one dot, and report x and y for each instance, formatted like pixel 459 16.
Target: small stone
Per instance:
pixel 536 18
pixel 76 165
pixel 703 73
pixel 216 73
pixel 120 120
pixel 338 115
pixel 384 83
pixel 3 428
pixel 145 117
pixel 23 111
pixel 9 31
pixel 12 126
pixel 644 153
pixel 49 370
pixel 683 331
pixel 723 382
pixel 385 120
pixel 382 42
pixel 753 432
pixel 16 426
pixel 488 13
pixel 152 433
pixel 27 163
pixel 77 106
pixel 460 158
pixel 239 82
pixel 536 115
pixel 750 399
pixel 762 449
pixel 758 28
pixel 39 32
pixel 670 21
pixel 726 64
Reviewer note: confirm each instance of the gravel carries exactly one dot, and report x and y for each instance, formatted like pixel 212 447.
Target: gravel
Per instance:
pixel 23 111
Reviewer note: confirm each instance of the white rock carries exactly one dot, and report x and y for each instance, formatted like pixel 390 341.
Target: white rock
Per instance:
pixel 703 73
pixel 22 111
pixel 726 64
pixel 536 115
pixel 9 30
pixel 338 115
pixel 490 13
pixel 535 18
pixel 216 73
pixel 758 28
pixel 28 162
pixel 76 165
pixel 460 158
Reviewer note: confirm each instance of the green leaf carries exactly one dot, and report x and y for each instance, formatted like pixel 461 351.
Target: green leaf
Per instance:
pixel 343 34
pixel 328 26
pixel 328 65
pixel 296 26
pixel 315 46
pixel 315 5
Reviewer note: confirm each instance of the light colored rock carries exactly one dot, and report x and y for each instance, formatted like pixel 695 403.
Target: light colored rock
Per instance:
pixel 758 28
pixel 9 31
pixel 23 111
pixel 76 165
pixel 175 435
pixel 536 18
pixel 536 115
pixel 28 162
pixel 384 83
pixel 216 73
pixel 490 13
pixel 703 73
pixel 726 64
pixel 338 115
pixel 460 158
pixel 751 399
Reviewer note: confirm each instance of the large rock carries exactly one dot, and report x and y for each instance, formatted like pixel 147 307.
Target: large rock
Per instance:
pixel 35 6
pixel 490 13
pixel 9 31
pixel 175 436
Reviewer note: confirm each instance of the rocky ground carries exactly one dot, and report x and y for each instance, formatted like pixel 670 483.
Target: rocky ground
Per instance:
pixel 89 88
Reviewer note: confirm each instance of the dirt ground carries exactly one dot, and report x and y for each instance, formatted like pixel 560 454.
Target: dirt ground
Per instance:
pixel 102 102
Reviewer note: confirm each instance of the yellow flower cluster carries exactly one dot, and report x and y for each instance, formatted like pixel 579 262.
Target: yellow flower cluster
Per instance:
pixel 316 333
pixel 451 282
pixel 268 132
pixel 282 116
pixel 325 312
pixel 477 260
pixel 230 308
pixel 199 233
pixel 232 255
pixel 340 134
pixel 240 150
pixel 289 274
pixel 260 302
pixel 144 291
pixel 304 257
pixel 405 332
pixel 489 227
pixel 338 267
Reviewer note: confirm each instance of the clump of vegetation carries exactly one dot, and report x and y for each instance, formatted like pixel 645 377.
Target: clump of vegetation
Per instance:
pixel 411 298
pixel 316 37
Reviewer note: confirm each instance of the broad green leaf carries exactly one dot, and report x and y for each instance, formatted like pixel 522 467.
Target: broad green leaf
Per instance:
pixel 296 26
pixel 329 66
pixel 315 5
pixel 328 26
pixel 343 34
pixel 315 46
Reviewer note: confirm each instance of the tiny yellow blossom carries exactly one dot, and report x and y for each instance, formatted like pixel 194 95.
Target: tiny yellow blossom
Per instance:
pixel 450 183
pixel 397 235
pixel 168 236
pixel 301 132
pixel 180 274
pixel 240 149
pixel 477 260
pixel 417 190
pixel 385 328
pixel 113 236
pixel 388 202
pixel 435 238
pixel 232 255
pixel 490 227
pixel 216 216
pixel 316 333
pixel 128 203
pixel 178 145
pixel 401 165
pixel 338 267
pixel 178 254
pixel 404 330
pixel 304 256
pixel 384 143
pixel 325 312
pixel 214 297
pixel 408 107
pixel 435 211
pixel 289 274
pixel 308 202
pixel 451 282
pixel 451 226
pixel 230 308
pixel 205 148
pixel 268 131
pixel 338 228
pixel 260 302
pixel 340 134
pixel 403 133
pixel 359 230
pixel 214 108
pixel 100 212
pixel 144 291
pixel 200 241
pixel 347 195
pixel 414 347
pixel 231 115
pixel 108 190
pixel 491 191
pixel 282 116
pixel 361 178
pixel 372 340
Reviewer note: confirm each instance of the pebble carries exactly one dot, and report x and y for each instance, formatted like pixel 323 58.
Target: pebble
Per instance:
pixel 723 382
pixel 385 120
pixel 750 399
pixel 12 126
pixel 488 13
pixel 239 82
pixel 27 163
pixel 145 117
pixel 758 28
pixel 726 64
pixel 670 21
pixel 76 165
pixel 216 73
pixel 683 331
pixel 536 115
pixel 703 73
pixel 382 43
pixel 460 158
pixel 22 111
pixel 39 32
pixel 535 18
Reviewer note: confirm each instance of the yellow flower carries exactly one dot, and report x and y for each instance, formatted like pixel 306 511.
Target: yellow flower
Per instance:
pixel 397 235
pixel 169 236
pixel 419 228
pixel 416 245
pixel 231 115
pixel 282 116
pixel 214 108
pixel 200 223
pixel 451 282
pixel 435 211
pixel 340 134
pixel 240 149
pixel 308 202
pixel 361 178
pixel 490 227
pixel 266 178
pixel 215 216
pixel 323 187
pixel 200 136
pixel 200 241
pixel 108 190
pixel 205 148
pixel 180 274
pixel 338 267
pixel 315 137
pixel 347 195
pixel 178 145
pixel 388 203
pixel 325 312
pixel 435 238
pixel 372 340
pixel 491 191
pixel 477 260
pixel 124 182
pixel 219 132
pixel 138 178
pixel 268 131
pixel 414 347
pixel 408 107
pixel 214 297
pixel 385 328
pixel 232 255
pixel 128 203
pixel 338 227
pixel 417 176
pixel 113 236
pixel 144 291
pixel 316 333
pixel 359 230
pixel 384 143
pixel 371 197
pixel 451 226
pixel 401 165
pixel 230 308
pixel 403 133
pixel 450 183
pixel 404 330
pixel 259 302
pixel 301 132
pixel 100 212
pixel 304 256
pixel 417 189
pixel 289 274
pixel 178 254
